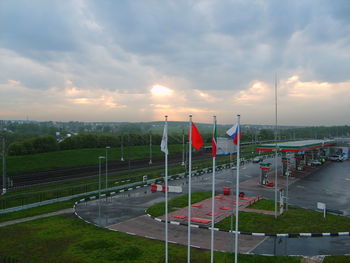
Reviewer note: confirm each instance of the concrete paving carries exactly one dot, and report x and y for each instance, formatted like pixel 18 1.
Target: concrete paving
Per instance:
pixel 147 227
pixel 328 184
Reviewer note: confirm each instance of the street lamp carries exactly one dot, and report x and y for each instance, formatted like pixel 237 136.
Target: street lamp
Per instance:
pixel 150 148
pixel 122 149
pixel 107 147
pixel 3 166
pixel 99 189
pixel 183 148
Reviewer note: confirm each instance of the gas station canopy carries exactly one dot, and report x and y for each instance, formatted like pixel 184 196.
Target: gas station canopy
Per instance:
pixel 296 146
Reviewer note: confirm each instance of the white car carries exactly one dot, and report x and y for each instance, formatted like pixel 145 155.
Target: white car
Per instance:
pixel 314 162
pixel 257 159
pixel 335 158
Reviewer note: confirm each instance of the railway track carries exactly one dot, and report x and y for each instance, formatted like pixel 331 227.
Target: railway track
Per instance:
pixel 24 180
pixel 85 172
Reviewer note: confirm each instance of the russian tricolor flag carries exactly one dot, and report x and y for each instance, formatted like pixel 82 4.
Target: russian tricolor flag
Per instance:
pixel 233 133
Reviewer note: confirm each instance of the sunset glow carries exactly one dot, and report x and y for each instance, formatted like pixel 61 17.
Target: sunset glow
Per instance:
pixel 159 90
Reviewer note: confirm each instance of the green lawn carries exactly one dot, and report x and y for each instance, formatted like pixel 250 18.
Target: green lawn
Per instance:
pixel 41 193
pixel 263 205
pixel 70 240
pixel 337 259
pixel 296 220
pixel 83 157
pixel 79 157
pixel 37 210
pixel 177 202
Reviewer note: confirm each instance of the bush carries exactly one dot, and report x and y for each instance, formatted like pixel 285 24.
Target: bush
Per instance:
pixel 33 145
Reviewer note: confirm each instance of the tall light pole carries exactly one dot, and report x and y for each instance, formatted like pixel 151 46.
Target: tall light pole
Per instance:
pixel 121 148
pixel 150 148
pixel 183 147
pixel 99 189
pixel 107 147
pixel 3 166
pixel 276 148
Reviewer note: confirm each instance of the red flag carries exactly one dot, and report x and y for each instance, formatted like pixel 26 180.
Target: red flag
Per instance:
pixel 197 141
pixel 213 142
pixel 235 140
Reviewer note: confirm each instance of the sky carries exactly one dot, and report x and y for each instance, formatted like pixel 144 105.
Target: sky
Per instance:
pixel 120 60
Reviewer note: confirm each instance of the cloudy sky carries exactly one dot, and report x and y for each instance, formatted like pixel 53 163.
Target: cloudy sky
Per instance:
pixel 139 60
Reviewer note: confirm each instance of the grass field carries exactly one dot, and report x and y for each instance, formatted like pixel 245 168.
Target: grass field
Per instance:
pixel 37 210
pixel 176 203
pixel 295 220
pixel 84 157
pixel 70 240
pixel 337 259
pixel 41 193
pixel 263 205
pixel 80 157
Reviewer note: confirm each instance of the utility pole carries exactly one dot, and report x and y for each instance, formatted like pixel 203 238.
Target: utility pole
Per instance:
pixel 150 148
pixel 3 165
pixel 276 148
pixel 183 148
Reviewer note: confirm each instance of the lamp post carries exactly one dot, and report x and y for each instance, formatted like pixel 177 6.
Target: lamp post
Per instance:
pixel 150 148
pixel 107 147
pixel 99 189
pixel 183 148
pixel 121 148
pixel 3 166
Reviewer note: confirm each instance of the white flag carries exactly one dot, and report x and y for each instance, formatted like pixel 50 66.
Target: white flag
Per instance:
pixel 164 143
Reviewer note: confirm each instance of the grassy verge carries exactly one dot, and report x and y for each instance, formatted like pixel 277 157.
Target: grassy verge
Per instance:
pixel 70 240
pixel 37 210
pixel 296 220
pixel 337 259
pixel 263 205
pixel 176 203
pixel 41 193
pixel 84 157
pixel 79 157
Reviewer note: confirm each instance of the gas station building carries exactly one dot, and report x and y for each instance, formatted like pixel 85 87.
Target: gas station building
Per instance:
pixel 342 147
pixel 297 155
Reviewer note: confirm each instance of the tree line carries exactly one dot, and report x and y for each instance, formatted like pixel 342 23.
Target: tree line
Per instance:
pixel 81 141
pixel 19 144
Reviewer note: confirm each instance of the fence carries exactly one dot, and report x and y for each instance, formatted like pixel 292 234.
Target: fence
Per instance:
pixel 31 199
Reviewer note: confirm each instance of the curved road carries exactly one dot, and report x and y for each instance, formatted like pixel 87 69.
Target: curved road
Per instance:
pixel 125 212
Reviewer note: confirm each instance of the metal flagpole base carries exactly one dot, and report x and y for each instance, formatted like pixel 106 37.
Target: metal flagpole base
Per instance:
pixel 3 191
pixel 183 163
pixel 122 159
pixel 150 162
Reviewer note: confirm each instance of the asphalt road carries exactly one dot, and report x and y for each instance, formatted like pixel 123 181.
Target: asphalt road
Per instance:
pixel 328 184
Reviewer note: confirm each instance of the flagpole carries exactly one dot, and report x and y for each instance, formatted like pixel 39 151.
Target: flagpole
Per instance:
pixel 213 194
pixel 189 192
pixel 237 185
pixel 276 183
pixel 166 191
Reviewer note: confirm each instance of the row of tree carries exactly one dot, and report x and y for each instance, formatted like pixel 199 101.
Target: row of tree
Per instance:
pixel 80 141
pixel 33 145
pixel 19 145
